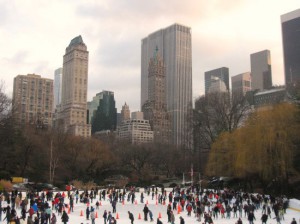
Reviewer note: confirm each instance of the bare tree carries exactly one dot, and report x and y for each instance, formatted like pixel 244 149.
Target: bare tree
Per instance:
pixel 5 102
pixel 215 113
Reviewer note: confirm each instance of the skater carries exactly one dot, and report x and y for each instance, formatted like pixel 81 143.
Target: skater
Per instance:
pixel 87 213
pixel 169 212
pixel 131 217
pixel 264 218
pixel 158 221
pixel 30 221
pixel 93 215
pixel 251 217
pixel 105 216
pixel 172 218
pixel 294 221
pixel 151 215
pixel 114 204
pixel 53 219
pixel 181 220
pixel 239 221
pixel 64 217
pixel 146 211
pixel 142 197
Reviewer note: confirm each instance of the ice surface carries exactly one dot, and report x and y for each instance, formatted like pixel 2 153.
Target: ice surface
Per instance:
pixel 157 209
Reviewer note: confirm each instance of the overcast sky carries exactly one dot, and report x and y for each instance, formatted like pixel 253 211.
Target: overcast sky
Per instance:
pixel 35 33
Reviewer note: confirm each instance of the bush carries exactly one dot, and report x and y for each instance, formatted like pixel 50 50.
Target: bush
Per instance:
pixel 83 186
pixel 5 185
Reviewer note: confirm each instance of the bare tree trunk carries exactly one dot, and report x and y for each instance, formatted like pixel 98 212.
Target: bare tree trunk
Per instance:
pixel 50 165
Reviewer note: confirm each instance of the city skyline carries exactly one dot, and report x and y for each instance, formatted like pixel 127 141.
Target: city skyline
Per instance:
pixel 223 34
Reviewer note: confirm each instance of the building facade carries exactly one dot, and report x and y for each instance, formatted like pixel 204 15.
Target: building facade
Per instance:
pixel 72 114
pixel 290 26
pixel 175 45
pixel 33 100
pixel 155 108
pixel 94 104
pixel 241 83
pixel 213 79
pixel 217 86
pixel 260 99
pixel 135 131
pixel 261 73
pixel 137 115
pixel 104 117
pixel 57 87
pixel 125 113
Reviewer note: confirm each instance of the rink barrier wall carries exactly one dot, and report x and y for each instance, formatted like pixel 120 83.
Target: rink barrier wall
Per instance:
pixel 294 204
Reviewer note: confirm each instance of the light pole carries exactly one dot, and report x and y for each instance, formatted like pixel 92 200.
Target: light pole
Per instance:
pixel 200 181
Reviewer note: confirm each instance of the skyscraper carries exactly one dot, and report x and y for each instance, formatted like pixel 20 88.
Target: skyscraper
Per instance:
pixel 72 113
pixel 241 83
pixel 174 43
pixel 155 108
pixel 261 74
pixel 214 77
pixel 105 116
pixel 33 100
pixel 290 25
pixel 57 87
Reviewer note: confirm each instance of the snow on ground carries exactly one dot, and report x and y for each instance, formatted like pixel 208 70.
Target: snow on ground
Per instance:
pixel 137 209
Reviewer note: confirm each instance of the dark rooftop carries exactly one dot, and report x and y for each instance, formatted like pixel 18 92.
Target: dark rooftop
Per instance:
pixel 76 40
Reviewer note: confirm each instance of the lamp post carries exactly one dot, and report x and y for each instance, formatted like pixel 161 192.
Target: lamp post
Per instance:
pixel 200 181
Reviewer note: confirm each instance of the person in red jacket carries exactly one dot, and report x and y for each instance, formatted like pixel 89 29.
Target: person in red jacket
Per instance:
pixel 31 212
pixel 182 202
pixel 222 212
pixel 189 209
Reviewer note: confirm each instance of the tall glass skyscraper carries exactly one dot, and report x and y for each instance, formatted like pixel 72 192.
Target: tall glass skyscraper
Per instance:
pixel 261 72
pixel 175 45
pixel 290 25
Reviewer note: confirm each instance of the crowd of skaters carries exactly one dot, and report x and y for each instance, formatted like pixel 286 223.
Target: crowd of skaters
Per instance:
pixel 206 206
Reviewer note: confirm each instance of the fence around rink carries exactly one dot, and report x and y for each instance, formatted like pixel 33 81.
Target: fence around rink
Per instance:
pixel 294 204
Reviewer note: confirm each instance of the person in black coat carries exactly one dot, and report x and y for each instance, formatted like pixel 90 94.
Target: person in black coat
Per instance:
pixel 146 210
pixel 264 218
pixel 87 213
pixel 181 220
pixel 64 217
pixel 158 221
pixel 251 217
pixel 131 217
pixel 294 221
